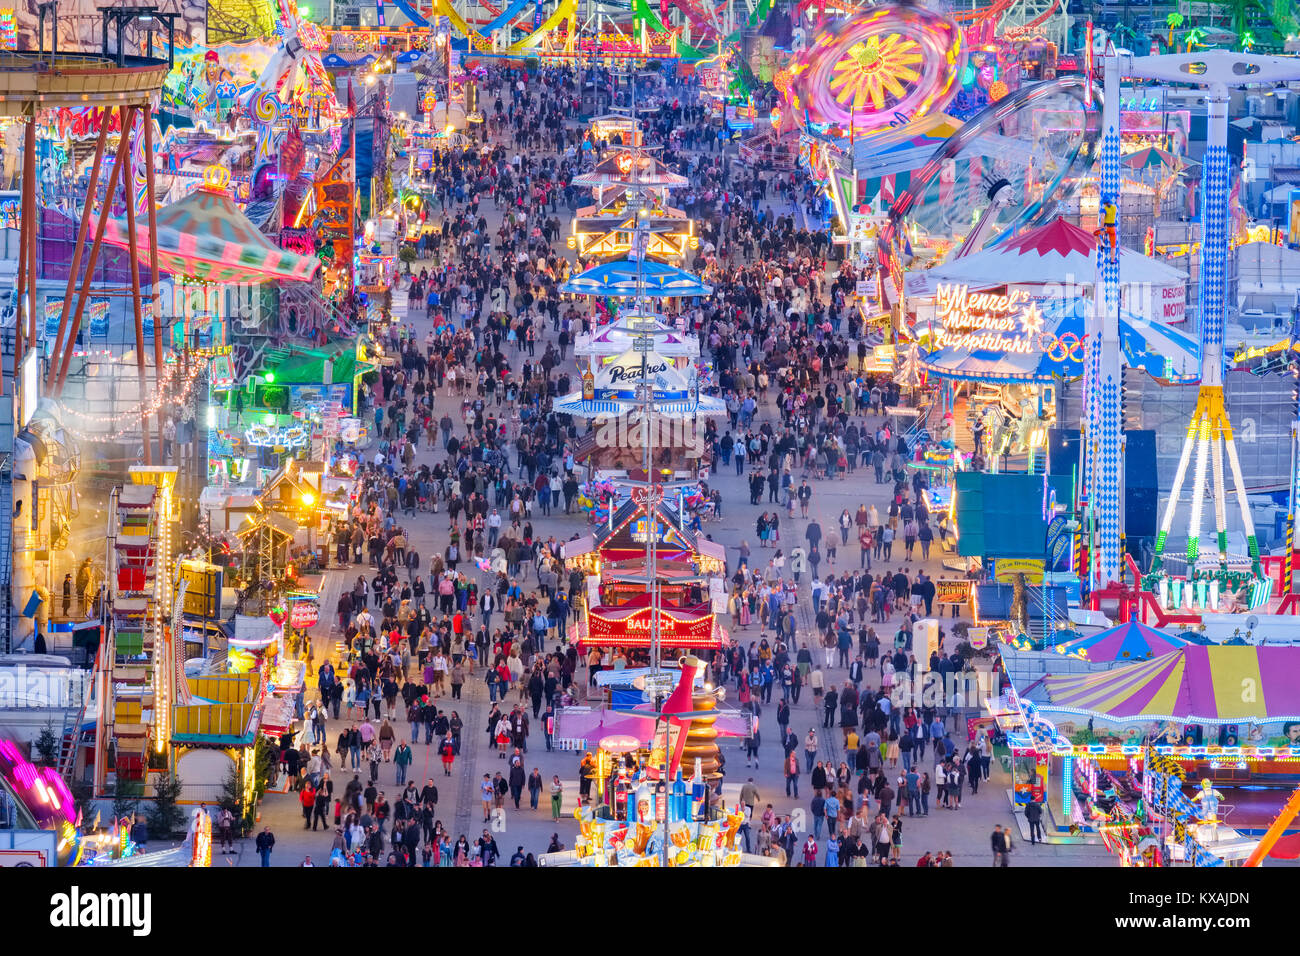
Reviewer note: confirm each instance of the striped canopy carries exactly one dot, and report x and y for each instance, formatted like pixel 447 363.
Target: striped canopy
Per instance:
pixel 207 236
pixel 1133 641
pixel 1202 684
pixel 1151 156
pixel 627 277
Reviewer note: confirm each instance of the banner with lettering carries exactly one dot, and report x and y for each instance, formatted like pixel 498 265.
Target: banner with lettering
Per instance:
pixel 624 627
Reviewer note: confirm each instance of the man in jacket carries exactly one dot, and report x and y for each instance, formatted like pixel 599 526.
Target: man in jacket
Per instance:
pixel 265 844
pixel 1034 815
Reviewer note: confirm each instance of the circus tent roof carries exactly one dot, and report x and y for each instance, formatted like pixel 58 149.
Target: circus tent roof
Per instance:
pixel 1057 251
pixel 1206 684
pixel 1131 641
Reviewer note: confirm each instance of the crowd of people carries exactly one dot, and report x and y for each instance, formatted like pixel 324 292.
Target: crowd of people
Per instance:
pixel 787 350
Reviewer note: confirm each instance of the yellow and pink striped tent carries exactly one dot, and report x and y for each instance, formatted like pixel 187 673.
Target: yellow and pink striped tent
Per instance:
pixel 1211 684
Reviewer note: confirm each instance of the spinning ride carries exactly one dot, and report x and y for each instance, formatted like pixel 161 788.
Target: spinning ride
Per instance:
pixel 884 67
pixel 977 175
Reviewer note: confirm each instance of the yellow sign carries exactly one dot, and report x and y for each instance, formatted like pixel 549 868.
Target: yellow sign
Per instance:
pixel 951 592
pixel 1031 568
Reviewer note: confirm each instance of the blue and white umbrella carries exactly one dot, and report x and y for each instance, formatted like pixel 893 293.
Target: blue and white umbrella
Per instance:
pixel 627 277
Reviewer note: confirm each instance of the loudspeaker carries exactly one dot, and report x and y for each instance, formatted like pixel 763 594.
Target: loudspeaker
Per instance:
pixel 1228 736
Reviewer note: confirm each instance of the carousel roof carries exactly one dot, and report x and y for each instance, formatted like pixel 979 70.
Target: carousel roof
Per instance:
pixel 630 277
pixel 1057 251
pixel 1151 156
pixel 207 236
pixel 629 167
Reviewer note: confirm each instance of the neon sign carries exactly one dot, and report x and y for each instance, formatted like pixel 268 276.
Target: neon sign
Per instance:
pixel 263 437
pixel 986 322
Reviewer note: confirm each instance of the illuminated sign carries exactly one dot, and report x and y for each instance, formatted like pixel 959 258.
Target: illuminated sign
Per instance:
pixel 951 592
pixel 263 437
pixel 656 44
pixel 986 322
pixel 682 628
pixel 641 534
pixel 304 613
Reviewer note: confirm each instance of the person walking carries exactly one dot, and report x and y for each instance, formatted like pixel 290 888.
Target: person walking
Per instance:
pixel 810 749
pixel 265 844
pixel 534 788
pixel 557 797
pixel 402 759
pixel 1001 843
pixel 307 797
pixel 792 775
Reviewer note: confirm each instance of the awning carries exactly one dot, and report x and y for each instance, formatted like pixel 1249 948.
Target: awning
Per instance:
pixel 1056 252
pixel 583 545
pixel 711 548
pixel 206 236
pixel 592 725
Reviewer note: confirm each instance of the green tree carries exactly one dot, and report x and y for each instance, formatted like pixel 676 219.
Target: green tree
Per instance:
pixel 126 799
pixel 232 798
pixel 165 817
pixel 47 747
pixel 1194 38
pixel 407 255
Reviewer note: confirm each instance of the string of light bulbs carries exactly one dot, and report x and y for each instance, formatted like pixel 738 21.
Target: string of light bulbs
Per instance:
pixel 155 403
pixel 162 383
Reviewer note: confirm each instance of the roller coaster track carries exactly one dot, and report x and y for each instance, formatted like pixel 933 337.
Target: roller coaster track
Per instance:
pixel 995 10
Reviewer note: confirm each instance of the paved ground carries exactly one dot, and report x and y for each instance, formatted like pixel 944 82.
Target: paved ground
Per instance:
pixel 965 832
